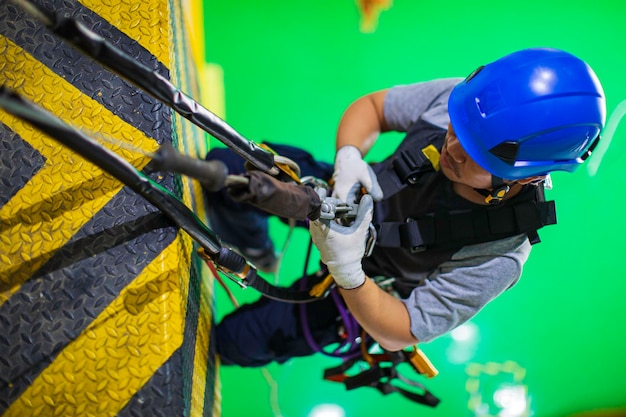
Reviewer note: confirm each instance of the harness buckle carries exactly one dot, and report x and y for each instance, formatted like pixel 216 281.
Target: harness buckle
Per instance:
pixel 416 248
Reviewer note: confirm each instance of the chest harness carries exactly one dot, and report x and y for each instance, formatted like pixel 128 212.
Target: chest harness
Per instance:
pixel 449 228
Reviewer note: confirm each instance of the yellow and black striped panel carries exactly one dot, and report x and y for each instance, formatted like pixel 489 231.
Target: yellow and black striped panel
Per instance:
pixel 104 309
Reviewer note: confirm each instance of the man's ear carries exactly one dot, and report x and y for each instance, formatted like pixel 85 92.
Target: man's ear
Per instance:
pixel 532 180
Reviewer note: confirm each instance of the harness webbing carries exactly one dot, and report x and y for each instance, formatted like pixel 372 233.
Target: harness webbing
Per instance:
pixel 419 155
pixel 444 229
pixel 406 168
pixel 383 369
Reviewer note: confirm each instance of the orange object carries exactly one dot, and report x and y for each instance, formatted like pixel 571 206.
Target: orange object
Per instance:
pixel 370 11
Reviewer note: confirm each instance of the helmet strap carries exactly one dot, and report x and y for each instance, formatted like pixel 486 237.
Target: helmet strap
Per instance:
pixel 498 191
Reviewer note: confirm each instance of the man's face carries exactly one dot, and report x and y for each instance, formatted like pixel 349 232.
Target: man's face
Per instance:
pixel 457 165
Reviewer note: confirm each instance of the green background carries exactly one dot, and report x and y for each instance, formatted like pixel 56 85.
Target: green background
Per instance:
pixel 291 68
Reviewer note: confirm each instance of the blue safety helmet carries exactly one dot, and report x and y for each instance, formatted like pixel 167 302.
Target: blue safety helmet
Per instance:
pixel 529 113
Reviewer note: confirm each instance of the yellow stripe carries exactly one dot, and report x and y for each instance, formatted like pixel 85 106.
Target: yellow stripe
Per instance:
pixel 213 90
pixel 145 21
pixel 194 20
pixel 217 400
pixel 104 367
pixel 66 193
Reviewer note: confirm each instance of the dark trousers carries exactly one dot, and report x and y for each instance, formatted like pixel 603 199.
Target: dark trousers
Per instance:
pixel 267 330
pixel 243 225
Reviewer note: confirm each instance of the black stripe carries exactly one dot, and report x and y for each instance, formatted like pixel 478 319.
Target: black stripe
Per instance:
pixel 162 395
pixel 188 348
pixel 209 389
pixel 19 162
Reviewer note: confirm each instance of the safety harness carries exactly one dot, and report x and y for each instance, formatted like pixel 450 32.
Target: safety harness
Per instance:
pixel 444 228
pixel 384 374
pixel 382 370
pixel 419 155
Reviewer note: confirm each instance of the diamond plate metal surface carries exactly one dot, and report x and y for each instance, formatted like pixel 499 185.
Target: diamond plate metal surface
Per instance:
pixel 20 162
pixel 91 79
pixel 102 309
pixel 67 190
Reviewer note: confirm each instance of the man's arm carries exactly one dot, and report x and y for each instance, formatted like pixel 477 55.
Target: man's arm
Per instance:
pixel 384 317
pixel 381 315
pixel 362 122
pixel 462 286
pixel 359 128
pixel 342 248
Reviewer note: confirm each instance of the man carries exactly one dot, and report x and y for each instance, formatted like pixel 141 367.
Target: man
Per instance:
pixel 499 133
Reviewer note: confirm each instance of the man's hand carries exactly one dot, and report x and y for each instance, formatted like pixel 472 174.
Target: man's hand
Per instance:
pixel 352 172
pixel 342 247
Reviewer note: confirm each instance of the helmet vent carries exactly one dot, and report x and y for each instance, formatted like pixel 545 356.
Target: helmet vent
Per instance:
pixel 474 73
pixel 506 151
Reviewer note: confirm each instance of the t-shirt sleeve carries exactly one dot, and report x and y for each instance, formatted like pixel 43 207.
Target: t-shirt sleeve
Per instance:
pixel 405 104
pixel 459 288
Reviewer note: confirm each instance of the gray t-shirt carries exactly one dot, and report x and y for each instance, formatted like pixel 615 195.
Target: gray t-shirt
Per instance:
pixel 405 104
pixel 459 288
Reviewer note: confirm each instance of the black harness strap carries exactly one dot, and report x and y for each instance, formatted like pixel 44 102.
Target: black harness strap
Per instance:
pixel 417 156
pixel 409 162
pixel 380 376
pixel 405 170
pixel 445 229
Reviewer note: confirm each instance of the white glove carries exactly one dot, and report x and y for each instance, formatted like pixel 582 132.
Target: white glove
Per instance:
pixel 352 172
pixel 342 247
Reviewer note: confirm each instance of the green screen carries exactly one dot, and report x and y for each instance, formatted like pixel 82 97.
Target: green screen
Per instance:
pixel 551 346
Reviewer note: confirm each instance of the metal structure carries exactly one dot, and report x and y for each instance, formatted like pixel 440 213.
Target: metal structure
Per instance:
pixel 104 307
